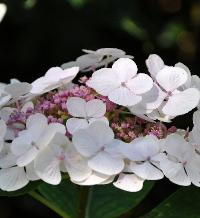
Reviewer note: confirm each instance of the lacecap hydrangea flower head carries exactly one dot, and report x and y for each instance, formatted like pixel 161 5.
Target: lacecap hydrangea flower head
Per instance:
pixel 113 125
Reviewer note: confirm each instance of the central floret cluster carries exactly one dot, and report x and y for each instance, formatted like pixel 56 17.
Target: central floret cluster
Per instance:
pixel 107 128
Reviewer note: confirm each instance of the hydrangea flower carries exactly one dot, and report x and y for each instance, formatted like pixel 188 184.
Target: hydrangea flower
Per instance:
pixel 84 113
pixel 177 85
pixel 53 78
pixel 37 136
pixel 96 143
pixel 103 129
pixel 13 177
pixel 182 163
pixel 59 156
pixel 95 59
pixel 142 153
pixel 121 83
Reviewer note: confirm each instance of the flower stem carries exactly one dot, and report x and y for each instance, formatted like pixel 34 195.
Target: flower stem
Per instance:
pixel 83 200
pixel 47 203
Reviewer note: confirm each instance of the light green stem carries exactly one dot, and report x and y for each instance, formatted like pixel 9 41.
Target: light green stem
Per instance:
pixel 125 112
pixel 83 201
pixel 47 203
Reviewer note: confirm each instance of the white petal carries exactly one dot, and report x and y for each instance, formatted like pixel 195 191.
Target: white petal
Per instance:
pixel 54 78
pixel 140 84
pixel 69 65
pixel 68 74
pixel 74 124
pixel 95 108
pixel 196 129
pixel 186 101
pixel 150 101
pixel 102 81
pixel 102 119
pixel 89 141
pixel 196 118
pixel 114 148
pixel 170 78
pixel 3 128
pixel 21 144
pixel 3 10
pixel 169 167
pixel 154 64
pixel 56 74
pixel 27 157
pixel 53 74
pixel 110 51
pixel 38 119
pixel 130 183
pixel 76 107
pixel 13 179
pixel 146 171
pixel 188 82
pixel 195 82
pixel 125 69
pixel 49 133
pixel 76 165
pixel 106 164
pixel 18 89
pixel 4 99
pixel 88 60
pixel 94 179
pixel 181 178
pixel 47 167
pixel 6 112
pixel 123 96
pixel 7 159
pixel 142 148
pixel 193 172
pixel 176 145
pixel 108 181
pixel 30 172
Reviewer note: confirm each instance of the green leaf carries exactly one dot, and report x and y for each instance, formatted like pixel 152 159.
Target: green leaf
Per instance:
pixel 63 196
pixel 184 203
pixel 109 202
pixel 104 201
pixel 31 186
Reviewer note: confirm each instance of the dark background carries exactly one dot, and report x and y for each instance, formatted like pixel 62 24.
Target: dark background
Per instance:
pixel 38 34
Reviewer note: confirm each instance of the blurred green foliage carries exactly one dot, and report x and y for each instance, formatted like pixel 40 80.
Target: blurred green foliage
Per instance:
pixel 44 33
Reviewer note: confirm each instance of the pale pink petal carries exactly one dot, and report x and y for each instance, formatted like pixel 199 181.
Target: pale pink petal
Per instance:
pixel 74 124
pixel 104 81
pixel 95 108
pixel 170 78
pixel 129 182
pixel 12 179
pixel 146 171
pixel 125 69
pixel 106 164
pixel 94 179
pixel 76 107
pixel 140 84
pixel 182 102
pixel 154 64
pixel 123 96
pixel 47 167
